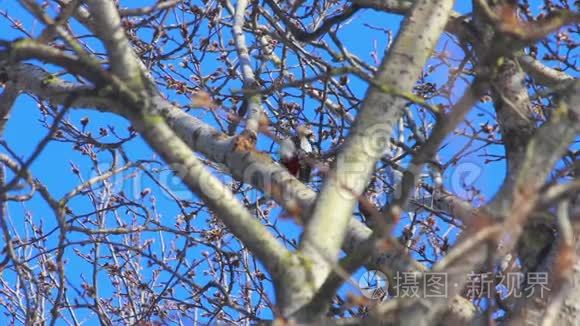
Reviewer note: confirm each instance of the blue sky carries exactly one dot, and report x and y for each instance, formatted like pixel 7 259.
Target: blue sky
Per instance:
pixel 53 167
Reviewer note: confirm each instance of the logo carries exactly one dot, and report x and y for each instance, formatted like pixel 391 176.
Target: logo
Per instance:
pixel 373 284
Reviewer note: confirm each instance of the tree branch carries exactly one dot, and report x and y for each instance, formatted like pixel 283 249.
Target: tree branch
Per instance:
pixel 326 229
pixel 123 61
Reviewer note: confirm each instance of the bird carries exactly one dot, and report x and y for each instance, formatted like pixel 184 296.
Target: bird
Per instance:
pixel 296 152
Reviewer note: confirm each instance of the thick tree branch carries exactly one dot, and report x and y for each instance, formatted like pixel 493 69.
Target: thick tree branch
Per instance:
pixel 543 74
pixel 122 59
pixel 511 206
pixel 210 189
pixel 249 167
pixel 326 230
pixel 234 215
pixel 40 83
pixel 7 99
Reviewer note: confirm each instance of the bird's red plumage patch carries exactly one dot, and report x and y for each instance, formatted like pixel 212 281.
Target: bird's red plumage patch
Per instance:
pixel 292 164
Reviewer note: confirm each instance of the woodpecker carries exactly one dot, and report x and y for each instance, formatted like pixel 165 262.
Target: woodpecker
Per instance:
pixel 296 152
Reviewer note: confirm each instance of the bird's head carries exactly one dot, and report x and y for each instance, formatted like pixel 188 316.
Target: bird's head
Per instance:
pixel 305 132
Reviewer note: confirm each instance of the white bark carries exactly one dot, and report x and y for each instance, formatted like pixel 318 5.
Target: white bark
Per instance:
pixel 122 59
pixel 368 138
